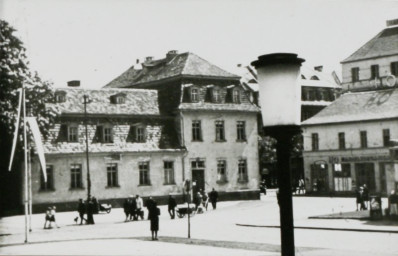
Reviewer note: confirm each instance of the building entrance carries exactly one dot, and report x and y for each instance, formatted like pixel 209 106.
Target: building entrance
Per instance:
pixel 365 174
pixel 198 176
pixel 319 177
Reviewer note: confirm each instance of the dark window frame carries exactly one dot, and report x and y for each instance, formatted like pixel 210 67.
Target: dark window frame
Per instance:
pixel 241 131
pixel 363 139
pixel 169 175
pixel 194 94
pixel 341 138
pixel 112 175
pixel 242 171
pixel 221 170
pixel 73 133
pixel 394 68
pixel 374 71
pixel 76 176
pixel 144 173
pixel 386 137
pixel 197 130
pixel 355 74
pixel 220 130
pixel 315 141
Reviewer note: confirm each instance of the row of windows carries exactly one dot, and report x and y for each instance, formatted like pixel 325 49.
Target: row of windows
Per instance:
pixel 219 130
pixel 104 134
pixel 342 143
pixel 120 98
pixel 312 94
pixel 76 178
pixel 215 95
pixel 374 71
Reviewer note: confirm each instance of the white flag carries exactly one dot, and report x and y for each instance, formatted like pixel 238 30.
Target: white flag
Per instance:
pixel 39 145
pixel 14 142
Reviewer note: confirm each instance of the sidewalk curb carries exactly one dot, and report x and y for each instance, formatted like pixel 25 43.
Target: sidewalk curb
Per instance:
pixel 326 228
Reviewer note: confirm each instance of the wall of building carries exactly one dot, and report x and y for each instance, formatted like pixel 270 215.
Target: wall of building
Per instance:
pixel 231 150
pixel 365 71
pixel 128 176
pixel 329 153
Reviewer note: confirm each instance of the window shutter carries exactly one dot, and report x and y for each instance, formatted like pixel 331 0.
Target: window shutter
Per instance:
pixel 208 95
pixel 228 96
pixel 63 133
pixel 131 137
pixel 186 97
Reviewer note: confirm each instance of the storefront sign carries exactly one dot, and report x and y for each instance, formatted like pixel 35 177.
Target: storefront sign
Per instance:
pixel 364 158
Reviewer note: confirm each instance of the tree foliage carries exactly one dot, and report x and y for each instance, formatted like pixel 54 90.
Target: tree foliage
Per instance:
pixel 14 74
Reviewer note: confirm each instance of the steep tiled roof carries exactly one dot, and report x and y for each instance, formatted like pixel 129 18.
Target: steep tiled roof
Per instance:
pixel 137 102
pixel 360 106
pixel 184 64
pixel 383 44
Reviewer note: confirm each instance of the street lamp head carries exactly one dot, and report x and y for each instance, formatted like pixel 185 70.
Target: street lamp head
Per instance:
pixel 280 94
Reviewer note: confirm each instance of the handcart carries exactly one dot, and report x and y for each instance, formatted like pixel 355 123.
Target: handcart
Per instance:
pixel 183 210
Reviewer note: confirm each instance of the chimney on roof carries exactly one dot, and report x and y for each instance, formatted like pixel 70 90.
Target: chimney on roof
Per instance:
pixel 318 68
pixel 148 59
pixel 74 83
pixel 137 61
pixel 171 54
pixel 391 23
pixel 239 65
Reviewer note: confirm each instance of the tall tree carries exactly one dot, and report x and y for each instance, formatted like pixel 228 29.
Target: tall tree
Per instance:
pixel 15 73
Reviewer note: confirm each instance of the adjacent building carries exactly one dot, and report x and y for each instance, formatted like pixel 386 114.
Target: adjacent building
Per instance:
pixel 215 120
pixel 347 144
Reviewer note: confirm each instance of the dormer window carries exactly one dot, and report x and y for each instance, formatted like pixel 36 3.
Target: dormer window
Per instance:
pixel 137 133
pixel 216 95
pixel 236 96
pixel 194 95
pixel 118 98
pixel 314 78
pixel 60 96
pixel 104 134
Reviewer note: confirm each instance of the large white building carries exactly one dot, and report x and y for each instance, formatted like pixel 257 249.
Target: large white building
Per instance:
pixel 347 144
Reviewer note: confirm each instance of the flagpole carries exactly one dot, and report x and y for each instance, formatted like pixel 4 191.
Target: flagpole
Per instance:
pixel 26 166
pixel 30 187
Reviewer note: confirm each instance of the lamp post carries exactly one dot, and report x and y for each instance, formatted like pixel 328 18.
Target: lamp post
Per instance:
pixel 280 109
pixel 86 100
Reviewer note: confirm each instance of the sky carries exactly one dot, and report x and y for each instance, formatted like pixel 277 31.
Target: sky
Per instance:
pixel 94 41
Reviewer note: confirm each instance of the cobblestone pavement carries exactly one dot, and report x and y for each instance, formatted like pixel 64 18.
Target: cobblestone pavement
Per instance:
pixel 212 233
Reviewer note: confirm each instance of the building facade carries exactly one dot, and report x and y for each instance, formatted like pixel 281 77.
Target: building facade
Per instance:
pixel 215 118
pixel 132 149
pixel 347 144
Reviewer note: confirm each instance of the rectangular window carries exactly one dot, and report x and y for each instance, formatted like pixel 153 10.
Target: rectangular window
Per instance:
pixel 196 131
pixel 72 134
pixel 364 139
pixel 168 172
pixel 144 173
pixel 341 140
pixel 76 176
pixel 216 95
pixel 111 172
pixel 355 74
pixel 386 137
pixel 374 71
pixel 194 95
pixel 242 171
pixel 221 170
pixel 236 96
pixel 140 134
pixel 49 185
pixel 315 141
pixel 241 130
pixel 342 177
pixel 108 135
pixel 394 68
pixel 220 134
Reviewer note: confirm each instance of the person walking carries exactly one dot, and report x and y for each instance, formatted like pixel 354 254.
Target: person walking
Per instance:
pixel 52 218
pixel 47 218
pixel 90 211
pixel 198 200
pixel 149 203
pixel 133 208
pixel 154 213
pixel 171 206
pixel 205 199
pixel 139 207
pixel 126 208
pixel 213 195
pixel 81 209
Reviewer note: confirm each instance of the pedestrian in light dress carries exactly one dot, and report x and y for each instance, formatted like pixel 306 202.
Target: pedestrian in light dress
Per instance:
pixel 154 213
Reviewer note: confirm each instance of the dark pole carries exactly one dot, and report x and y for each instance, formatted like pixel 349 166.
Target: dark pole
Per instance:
pixel 284 135
pixel 86 101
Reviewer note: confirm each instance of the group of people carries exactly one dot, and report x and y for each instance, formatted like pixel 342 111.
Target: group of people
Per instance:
pixel 362 198
pixel 50 217
pixel 89 207
pixel 133 208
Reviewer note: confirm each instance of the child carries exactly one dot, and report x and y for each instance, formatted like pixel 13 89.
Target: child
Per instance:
pixel 48 218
